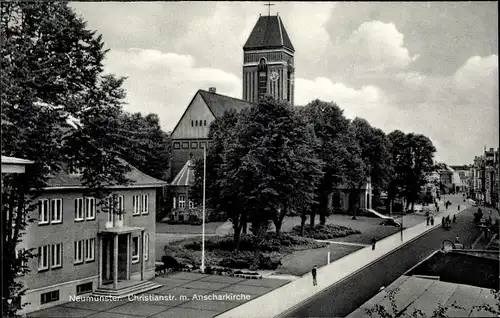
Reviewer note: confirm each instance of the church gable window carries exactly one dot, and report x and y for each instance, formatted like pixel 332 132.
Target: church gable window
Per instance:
pixel 177 145
pixel 194 145
pixel 185 145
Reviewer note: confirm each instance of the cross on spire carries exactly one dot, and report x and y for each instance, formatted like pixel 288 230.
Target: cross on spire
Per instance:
pixel 269 4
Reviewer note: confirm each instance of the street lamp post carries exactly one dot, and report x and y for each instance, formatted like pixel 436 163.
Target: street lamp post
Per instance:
pixel 203 211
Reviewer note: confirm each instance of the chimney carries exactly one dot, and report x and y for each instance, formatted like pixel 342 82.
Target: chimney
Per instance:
pixel 212 90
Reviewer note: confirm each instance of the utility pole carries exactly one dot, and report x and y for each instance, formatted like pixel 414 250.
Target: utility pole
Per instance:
pixel 203 213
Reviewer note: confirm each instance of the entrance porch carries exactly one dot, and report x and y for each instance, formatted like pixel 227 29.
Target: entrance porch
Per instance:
pixel 118 252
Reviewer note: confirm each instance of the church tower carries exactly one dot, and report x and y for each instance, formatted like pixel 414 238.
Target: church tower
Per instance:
pixel 268 63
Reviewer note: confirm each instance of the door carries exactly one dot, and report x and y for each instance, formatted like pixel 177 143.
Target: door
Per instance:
pixel 122 257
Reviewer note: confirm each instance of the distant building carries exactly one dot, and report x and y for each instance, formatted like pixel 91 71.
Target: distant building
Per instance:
pixel 485 175
pixel 82 249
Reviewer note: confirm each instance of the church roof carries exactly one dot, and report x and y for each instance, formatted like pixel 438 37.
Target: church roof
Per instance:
pixel 219 104
pixel 268 33
pixel 185 177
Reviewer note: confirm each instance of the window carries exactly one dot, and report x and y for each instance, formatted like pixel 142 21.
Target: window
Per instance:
pixel 56 256
pixel 196 123
pixel 204 122
pixel 121 207
pixel 185 145
pixel 84 288
pixel 43 211
pixel 203 144
pixel 194 145
pixel 135 203
pixel 22 263
pixel 90 208
pixel 56 209
pixel 74 168
pixel 175 202
pixel 43 258
pixel 145 203
pixel 50 297
pixel 192 205
pixel 79 209
pixel 78 252
pixel 145 247
pixel 135 249
pixel 177 145
pixel 89 250
pixel 192 123
pixel 182 202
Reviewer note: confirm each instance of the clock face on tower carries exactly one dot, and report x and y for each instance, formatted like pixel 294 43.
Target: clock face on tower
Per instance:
pixel 274 76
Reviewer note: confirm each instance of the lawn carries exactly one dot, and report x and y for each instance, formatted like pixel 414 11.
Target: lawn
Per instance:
pixel 301 262
pixel 368 226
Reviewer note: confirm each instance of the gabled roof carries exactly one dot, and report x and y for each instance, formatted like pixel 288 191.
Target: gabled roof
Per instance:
pixel 185 177
pixel 268 33
pixel 63 179
pixel 219 104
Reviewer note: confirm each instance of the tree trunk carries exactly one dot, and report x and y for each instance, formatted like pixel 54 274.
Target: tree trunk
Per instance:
pixel 244 223
pixel 237 231
pixel 412 206
pixel 312 220
pixel 303 219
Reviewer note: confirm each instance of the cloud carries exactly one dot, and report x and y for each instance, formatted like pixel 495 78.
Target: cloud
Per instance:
pixel 164 83
pixel 376 46
pixel 478 74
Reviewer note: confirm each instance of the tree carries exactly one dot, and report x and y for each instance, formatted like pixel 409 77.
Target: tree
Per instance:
pixel 375 153
pixel 413 158
pixel 51 69
pixel 147 147
pixel 334 149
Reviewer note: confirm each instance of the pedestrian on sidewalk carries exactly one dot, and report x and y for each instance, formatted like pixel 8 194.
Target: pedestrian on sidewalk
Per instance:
pixel 457 240
pixel 373 243
pixel 314 272
pixel 454 218
pixel 443 222
pixel 432 220
pixel 428 220
pixel 437 208
pixel 458 207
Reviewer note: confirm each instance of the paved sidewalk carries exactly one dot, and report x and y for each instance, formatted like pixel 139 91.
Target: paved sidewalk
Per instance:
pixel 302 289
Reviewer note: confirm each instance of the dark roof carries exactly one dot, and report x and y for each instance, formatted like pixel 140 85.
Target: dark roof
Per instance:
pixel 268 33
pixel 185 177
pixel 138 178
pixel 219 104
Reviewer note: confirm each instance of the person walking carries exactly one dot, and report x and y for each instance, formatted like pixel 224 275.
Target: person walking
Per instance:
pixel 458 206
pixel 373 243
pixel 432 220
pixel 428 220
pixel 443 222
pixel 314 272
pixel 454 218
pixel 457 240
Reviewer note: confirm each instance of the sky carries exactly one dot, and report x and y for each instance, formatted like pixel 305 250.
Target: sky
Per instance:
pixel 428 68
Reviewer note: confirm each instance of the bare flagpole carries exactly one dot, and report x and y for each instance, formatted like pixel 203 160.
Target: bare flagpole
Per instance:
pixel 203 213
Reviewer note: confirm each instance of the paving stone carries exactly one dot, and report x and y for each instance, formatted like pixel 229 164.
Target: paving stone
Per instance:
pixel 205 285
pixel 94 305
pixel 222 279
pixel 138 309
pixel 212 305
pixel 246 289
pixel 108 314
pixel 167 281
pixel 188 276
pixel 265 282
pixel 186 313
pixel 59 311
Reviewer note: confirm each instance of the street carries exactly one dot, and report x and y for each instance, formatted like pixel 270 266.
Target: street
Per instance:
pixel 344 297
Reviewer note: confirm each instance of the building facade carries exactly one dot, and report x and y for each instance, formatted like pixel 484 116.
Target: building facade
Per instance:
pixel 83 246
pixel 268 61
